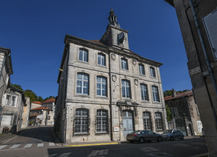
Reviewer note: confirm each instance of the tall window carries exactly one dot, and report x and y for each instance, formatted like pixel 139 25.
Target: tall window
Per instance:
pixel 144 92
pixel 152 72
pixel 82 84
pixel 125 89
pixel 83 55
pixel 158 121
pixel 81 121
pixel 124 64
pixel 101 86
pixel 155 93
pixel 13 100
pixel 101 59
pixel 147 121
pixel 141 69
pixel 102 121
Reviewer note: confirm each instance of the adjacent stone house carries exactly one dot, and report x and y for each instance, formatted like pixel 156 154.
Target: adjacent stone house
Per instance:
pixel 198 24
pixel 5 72
pixel 50 105
pixel 35 104
pixel 13 101
pixel 185 113
pixel 106 90
pixel 38 116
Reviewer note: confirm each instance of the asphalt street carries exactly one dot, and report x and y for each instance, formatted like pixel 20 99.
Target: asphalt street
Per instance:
pixel 39 142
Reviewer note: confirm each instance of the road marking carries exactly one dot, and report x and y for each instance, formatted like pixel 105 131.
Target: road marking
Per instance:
pixel 153 149
pixel 28 146
pixel 98 153
pixel 3 146
pixel 51 144
pixel 65 154
pixel 14 146
pixel 40 145
pixel 150 149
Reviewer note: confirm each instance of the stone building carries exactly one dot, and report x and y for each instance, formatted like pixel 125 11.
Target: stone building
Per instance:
pixel 35 104
pixel 185 113
pixel 25 113
pixel 198 23
pixel 50 105
pixel 106 90
pixel 6 71
pixel 13 101
pixel 38 116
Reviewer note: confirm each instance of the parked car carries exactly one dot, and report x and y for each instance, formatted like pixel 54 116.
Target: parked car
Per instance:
pixel 173 134
pixel 143 135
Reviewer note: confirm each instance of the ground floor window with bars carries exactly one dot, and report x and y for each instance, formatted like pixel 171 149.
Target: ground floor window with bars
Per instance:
pixel 81 121
pixel 147 120
pixel 158 121
pixel 102 121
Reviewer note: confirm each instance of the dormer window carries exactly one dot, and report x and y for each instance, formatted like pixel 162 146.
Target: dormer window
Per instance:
pixel 83 55
pixel 152 72
pixel 124 64
pixel 101 59
pixel 141 69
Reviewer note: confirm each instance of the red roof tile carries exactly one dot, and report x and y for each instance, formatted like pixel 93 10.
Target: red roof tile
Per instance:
pixel 180 95
pixel 39 108
pixel 49 100
pixel 36 102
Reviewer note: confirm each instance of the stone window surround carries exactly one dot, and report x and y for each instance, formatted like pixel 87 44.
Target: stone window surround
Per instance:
pixel 10 100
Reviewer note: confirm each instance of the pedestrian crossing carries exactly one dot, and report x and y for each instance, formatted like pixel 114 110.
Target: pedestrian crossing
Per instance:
pixel 25 146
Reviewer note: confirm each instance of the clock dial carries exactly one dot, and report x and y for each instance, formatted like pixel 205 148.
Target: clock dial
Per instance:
pixel 120 38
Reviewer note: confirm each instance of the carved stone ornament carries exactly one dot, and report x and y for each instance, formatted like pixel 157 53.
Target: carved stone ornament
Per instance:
pixel 113 56
pixel 134 62
pixel 114 78
pixel 136 82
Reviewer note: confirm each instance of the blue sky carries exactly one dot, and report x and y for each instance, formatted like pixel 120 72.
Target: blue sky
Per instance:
pixel 35 31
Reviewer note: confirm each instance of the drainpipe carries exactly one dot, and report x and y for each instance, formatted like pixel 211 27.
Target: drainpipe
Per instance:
pixel 206 57
pixel 110 89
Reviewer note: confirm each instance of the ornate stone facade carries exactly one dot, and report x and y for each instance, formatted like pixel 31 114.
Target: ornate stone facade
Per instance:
pixel 106 90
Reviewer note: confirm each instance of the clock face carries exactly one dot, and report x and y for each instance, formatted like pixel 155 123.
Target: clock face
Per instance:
pixel 120 38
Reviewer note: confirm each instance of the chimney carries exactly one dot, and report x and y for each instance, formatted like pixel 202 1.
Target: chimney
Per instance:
pixel 173 93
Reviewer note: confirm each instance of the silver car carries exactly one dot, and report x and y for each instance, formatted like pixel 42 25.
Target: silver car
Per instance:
pixel 173 134
pixel 143 135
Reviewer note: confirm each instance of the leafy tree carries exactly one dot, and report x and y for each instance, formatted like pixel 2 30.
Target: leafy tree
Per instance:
pixel 168 93
pixel 17 86
pixel 169 113
pixel 31 94
pixel 40 99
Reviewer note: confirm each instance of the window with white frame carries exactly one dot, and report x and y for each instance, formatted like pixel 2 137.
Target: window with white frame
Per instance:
pixel 81 121
pixel 152 72
pixel 141 69
pixel 144 92
pixel 102 121
pixel 155 93
pixel 125 88
pixel 83 55
pixel 147 120
pixel 124 64
pixel 101 59
pixel 158 121
pixel 101 86
pixel 83 84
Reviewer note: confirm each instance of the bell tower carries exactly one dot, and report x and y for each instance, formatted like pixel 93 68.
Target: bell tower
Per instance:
pixel 114 35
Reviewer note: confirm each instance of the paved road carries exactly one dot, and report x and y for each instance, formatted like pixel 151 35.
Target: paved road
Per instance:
pixel 39 142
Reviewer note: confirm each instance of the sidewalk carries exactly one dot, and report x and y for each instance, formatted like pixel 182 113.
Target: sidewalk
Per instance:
pixel 6 137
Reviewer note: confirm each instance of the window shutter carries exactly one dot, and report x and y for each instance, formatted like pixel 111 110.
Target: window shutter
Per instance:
pixel 210 23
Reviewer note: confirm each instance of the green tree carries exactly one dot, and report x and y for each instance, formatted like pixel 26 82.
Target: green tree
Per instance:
pixel 169 113
pixel 31 94
pixel 17 86
pixel 167 93
pixel 40 99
